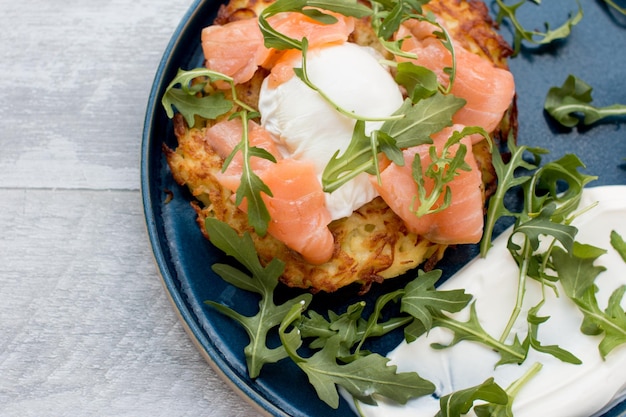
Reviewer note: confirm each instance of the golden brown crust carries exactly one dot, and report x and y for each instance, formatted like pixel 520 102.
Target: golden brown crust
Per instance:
pixel 372 244
pixel 470 24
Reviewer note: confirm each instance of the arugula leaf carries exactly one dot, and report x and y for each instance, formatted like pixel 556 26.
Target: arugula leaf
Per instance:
pixel 577 273
pixel 543 224
pixel 611 321
pixel 618 244
pixel 187 100
pixel 534 320
pixel 472 330
pixel 346 328
pixel 441 171
pixel 508 179
pixel 572 99
pixel 360 156
pixel 190 101
pixel 420 82
pixel 422 119
pixel 533 36
pixel 363 378
pixel 389 15
pixel 576 269
pixel 422 300
pixel 506 410
pixel 251 185
pixel 460 402
pixel 414 127
pixel 263 282
pixel 373 327
pixel 310 8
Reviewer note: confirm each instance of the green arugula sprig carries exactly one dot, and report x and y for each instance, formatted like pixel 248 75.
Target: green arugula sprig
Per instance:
pixel 362 377
pixel 191 101
pixel 618 243
pixel 615 6
pixel 521 34
pixel 311 9
pixel 546 211
pixel 251 186
pixel 386 19
pixel 577 273
pixel 420 121
pixel 494 409
pixel 573 99
pixel 460 402
pixel 303 75
pixel 441 171
pixel 263 281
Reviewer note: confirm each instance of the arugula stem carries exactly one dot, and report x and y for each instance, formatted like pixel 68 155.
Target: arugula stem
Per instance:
pixel 614 5
pixel 505 174
pixel 303 75
pixel 483 337
pixel 357 407
pixel 383 329
pixel 334 185
pixel 521 290
pixel 516 385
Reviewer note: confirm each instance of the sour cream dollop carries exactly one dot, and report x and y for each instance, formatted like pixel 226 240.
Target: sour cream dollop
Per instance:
pixel 307 127
pixel 559 389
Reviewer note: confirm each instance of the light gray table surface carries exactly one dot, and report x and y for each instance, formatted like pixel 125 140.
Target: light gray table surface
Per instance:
pixel 85 325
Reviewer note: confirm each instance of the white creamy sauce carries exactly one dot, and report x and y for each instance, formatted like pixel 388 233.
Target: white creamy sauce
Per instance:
pixel 308 128
pixel 559 389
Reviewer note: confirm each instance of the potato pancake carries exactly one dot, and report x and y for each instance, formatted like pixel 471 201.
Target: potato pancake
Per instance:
pixel 372 244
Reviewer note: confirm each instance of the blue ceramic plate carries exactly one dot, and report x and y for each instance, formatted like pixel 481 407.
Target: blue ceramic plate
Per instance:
pixel 184 257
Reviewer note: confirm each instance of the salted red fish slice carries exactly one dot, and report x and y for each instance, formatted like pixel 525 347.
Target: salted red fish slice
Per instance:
pixel 237 48
pixel 487 89
pixel 297 207
pixel 462 221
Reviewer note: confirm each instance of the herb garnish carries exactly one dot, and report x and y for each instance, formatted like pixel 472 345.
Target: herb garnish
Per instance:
pixel 263 281
pixel 187 100
pixel 362 376
pixel 521 34
pixel 190 102
pixel 615 6
pixel 573 98
pixel 460 402
pixel 577 273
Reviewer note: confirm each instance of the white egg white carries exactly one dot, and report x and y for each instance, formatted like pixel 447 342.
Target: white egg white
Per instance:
pixel 308 127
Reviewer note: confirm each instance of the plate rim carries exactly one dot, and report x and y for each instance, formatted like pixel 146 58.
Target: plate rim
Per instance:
pixel 183 312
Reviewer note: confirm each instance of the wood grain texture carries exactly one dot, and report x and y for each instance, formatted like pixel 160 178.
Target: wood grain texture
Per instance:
pixel 85 326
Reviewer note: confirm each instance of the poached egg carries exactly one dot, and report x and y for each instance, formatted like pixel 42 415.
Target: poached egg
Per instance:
pixel 307 127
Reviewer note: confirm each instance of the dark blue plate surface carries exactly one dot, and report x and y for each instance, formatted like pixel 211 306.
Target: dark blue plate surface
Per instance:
pixel 594 53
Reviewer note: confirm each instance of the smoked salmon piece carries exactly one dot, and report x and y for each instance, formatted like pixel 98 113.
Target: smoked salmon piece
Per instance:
pixel 462 221
pixel 237 48
pixel 224 136
pixel 487 89
pixel 297 207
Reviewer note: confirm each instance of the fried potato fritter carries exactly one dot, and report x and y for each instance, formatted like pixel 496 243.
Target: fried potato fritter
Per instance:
pixel 373 243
